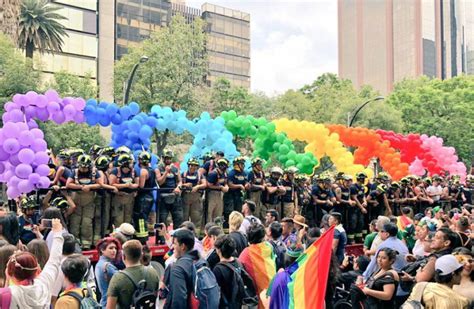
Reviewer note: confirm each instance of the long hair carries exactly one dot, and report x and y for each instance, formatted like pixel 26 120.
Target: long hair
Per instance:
pixel 39 249
pixel 9 228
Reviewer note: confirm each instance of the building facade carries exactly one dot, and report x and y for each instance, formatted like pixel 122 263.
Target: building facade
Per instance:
pixel 383 42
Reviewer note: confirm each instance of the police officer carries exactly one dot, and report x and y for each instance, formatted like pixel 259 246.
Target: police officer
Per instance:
pixel 288 200
pixel 323 196
pixel 357 214
pixel 168 178
pixel 216 187
pixel 274 191
pixel 192 186
pixel 256 178
pixel 105 194
pixel 238 184
pixel 144 214
pixel 123 178
pixel 84 179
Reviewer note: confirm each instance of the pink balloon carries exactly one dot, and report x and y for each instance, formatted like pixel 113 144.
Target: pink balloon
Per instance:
pixel 41 158
pixel 22 126
pixel 26 138
pixel 23 170
pixel 42 170
pixel 11 129
pixel 26 156
pixel 44 182
pixel 79 117
pixel 21 100
pixel 37 133
pixel 11 145
pixel 6 117
pixel 7 175
pixel 39 145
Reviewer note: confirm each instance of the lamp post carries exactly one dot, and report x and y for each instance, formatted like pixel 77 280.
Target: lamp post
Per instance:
pixel 127 87
pixel 350 120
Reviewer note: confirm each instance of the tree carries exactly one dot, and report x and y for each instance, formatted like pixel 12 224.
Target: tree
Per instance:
pixel 39 27
pixel 16 73
pixel 9 12
pixel 177 64
pixel 71 134
pixel 439 107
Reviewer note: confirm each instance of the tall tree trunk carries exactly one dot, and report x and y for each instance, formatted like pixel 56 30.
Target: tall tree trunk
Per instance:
pixel 161 141
pixel 29 48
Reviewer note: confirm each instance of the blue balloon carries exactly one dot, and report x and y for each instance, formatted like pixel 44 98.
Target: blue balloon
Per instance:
pixel 125 112
pixel 112 108
pixel 92 120
pixel 151 121
pixel 134 125
pixel 133 136
pixel 91 102
pixel 166 110
pixel 145 132
pixel 134 108
pixel 116 119
pixel 156 109
pixel 161 125
pixel 103 105
pixel 104 121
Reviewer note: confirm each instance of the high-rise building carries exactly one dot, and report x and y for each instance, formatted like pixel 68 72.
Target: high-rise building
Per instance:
pixel 80 49
pixel 383 42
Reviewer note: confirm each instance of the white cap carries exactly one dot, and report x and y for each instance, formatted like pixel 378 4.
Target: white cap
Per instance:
pixel 447 264
pixel 127 229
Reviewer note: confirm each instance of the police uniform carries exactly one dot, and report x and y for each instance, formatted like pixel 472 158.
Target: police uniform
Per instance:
pixel 320 193
pixel 144 204
pixel 192 201
pixel 234 198
pixel 105 197
pixel 288 199
pixel 123 201
pixel 344 206
pixel 305 207
pixel 214 196
pixel 81 220
pixel 271 200
pixel 356 217
pixel 169 202
pixel 255 194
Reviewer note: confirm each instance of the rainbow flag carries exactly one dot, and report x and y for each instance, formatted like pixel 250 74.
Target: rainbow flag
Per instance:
pixel 309 275
pixel 259 261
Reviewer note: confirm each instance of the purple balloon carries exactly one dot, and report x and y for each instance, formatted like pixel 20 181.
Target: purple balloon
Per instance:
pixel 22 126
pixel 37 133
pixel 58 117
pixel 42 114
pixel 10 106
pixel 14 160
pixel 16 98
pixel 8 174
pixel 6 117
pixel 21 100
pixel 79 104
pixel 42 170
pixel 34 178
pixel 2 167
pixel 41 158
pixel 32 124
pixel 39 145
pixel 52 95
pixel 13 192
pixel 16 115
pixel 26 156
pixel 53 107
pixel 24 186
pixel 11 129
pixel 13 181
pixel 23 170
pixel 69 111
pixel 31 96
pixel 11 145
pixel 44 182
pixel 26 138
pixel 41 101
pixel 3 154
pixel 79 117
pixel 30 112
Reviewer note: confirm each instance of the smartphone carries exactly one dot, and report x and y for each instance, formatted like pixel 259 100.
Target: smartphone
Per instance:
pixel 47 223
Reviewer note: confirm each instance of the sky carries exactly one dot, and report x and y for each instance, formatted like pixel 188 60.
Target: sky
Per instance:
pixel 292 42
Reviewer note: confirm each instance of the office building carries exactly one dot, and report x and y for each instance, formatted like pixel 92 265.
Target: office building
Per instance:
pixel 383 42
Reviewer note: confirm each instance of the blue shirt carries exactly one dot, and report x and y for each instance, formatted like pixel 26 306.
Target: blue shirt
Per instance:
pixel 103 277
pixel 397 245
pixel 237 178
pixel 340 234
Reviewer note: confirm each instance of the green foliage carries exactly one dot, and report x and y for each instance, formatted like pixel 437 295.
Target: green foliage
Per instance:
pixel 177 63
pixel 39 27
pixel 71 134
pixel 444 108
pixel 16 73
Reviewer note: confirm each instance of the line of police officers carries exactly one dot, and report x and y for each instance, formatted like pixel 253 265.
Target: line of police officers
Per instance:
pixel 107 190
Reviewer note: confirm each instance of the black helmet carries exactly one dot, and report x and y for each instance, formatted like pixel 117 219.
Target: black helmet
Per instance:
pixel 27 202
pixel 123 150
pixel 60 202
pixel 257 161
pixel 64 154
pixel 94 150
pixel 107 151
pixel 207 156
pixel 193 161
pixel 102 162
pixel 84 161
pixel 168 153
pixel 223 162
pixel 361 175
pixel 124 159
pixel 76 152
pixel 238 160
pixel 144 157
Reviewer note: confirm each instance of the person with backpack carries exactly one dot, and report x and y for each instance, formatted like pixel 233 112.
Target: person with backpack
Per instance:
pixel 273 236
pixel 136 286
pixel 236 285
pixel 110 252
pixel 248 209
pixel 190 283
pixel 75 269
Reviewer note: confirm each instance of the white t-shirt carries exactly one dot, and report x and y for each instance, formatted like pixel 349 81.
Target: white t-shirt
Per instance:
pixel 434 192
pixel 248 220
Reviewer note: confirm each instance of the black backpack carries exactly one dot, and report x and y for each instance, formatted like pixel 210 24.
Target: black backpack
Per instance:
pixel 142 298
pixel 245 293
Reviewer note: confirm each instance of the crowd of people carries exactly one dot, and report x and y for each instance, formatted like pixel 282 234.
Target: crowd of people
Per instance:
pixel 232 235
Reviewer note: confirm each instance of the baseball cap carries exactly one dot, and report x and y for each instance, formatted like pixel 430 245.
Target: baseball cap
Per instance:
pixel 126 229
pixel 447 264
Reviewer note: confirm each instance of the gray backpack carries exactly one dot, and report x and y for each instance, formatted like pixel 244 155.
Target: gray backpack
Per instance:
pixel 415 302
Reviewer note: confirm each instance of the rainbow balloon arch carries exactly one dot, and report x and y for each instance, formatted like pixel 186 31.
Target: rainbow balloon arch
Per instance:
pixel 24 158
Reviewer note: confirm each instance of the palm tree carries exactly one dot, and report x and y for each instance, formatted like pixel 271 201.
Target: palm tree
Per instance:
pixel 9 12
pixel 39 27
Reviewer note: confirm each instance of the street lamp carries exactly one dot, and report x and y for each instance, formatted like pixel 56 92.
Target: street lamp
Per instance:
pixel 126 93
pixel 350 120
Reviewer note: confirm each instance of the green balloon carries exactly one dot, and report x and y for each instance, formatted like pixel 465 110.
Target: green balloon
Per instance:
pixel 283 149
pixel 232 114
pixel 291 155
pixel 276 146
pixel 262 131
pixel 290 163
pixel 281 137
